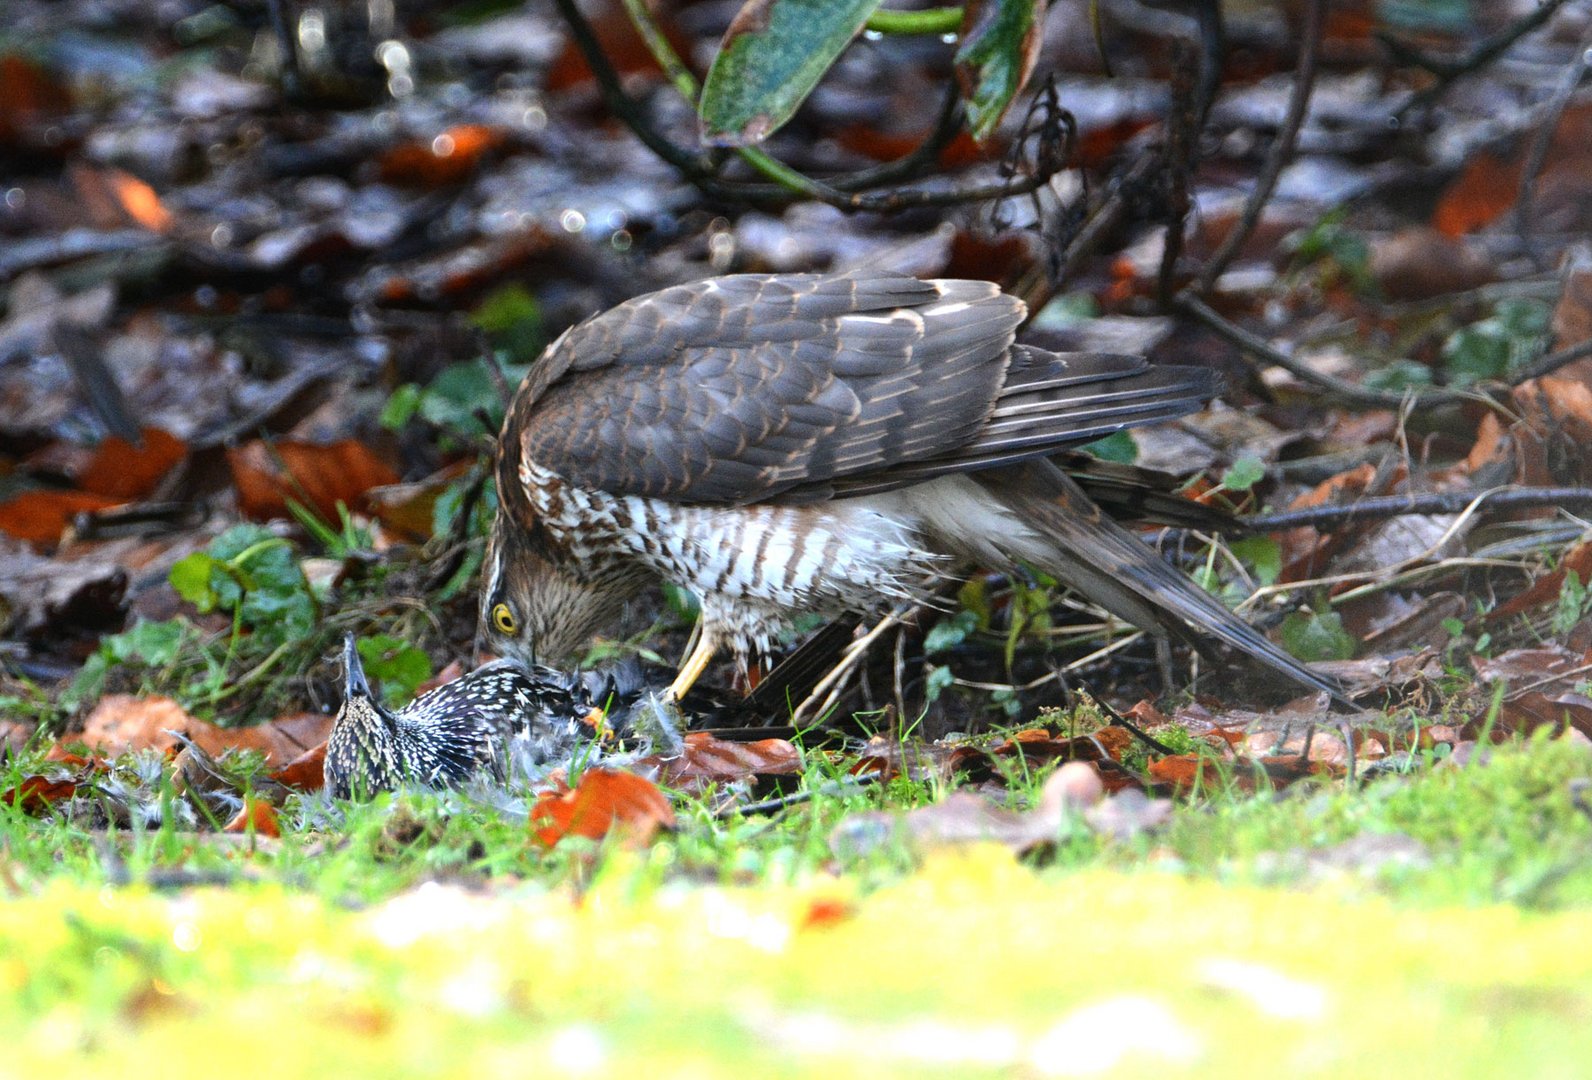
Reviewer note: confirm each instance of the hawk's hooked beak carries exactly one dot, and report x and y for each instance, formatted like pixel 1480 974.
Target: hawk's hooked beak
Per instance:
pixel 353 671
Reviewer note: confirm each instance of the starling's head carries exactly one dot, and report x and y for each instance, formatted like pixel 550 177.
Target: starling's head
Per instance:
pixel 533 609
pixel 361 752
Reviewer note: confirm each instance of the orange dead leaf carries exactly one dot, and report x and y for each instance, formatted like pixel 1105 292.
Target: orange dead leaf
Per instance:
pixel 122 722
pixel 1485 188
pixel 603 800
pixel 37 793
pixel 320 477
pixel 307 772
pixel 32 97
pixel 123 471
pixel 706 760
pixel 1183 771
pixel 256 814
pixel 449 158
pixel 40 517
pixel 139 200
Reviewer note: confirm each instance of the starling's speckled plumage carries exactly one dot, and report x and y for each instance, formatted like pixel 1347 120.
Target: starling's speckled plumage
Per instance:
pixel 792 443
pixel 499 720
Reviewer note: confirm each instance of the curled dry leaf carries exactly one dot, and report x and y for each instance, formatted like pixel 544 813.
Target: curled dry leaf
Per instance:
pixel 36 793
pixel 307 772
pixel 257 815
pixel 604 800
pixel 706 760
pixel 268 474
pixel 122 722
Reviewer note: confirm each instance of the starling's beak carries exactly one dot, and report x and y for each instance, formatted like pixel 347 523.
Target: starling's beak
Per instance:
pixel 353 671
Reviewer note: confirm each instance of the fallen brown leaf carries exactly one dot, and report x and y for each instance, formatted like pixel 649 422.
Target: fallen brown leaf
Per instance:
pixel 604 800
pixel 706 760
pixel 122 722
pixel 258 815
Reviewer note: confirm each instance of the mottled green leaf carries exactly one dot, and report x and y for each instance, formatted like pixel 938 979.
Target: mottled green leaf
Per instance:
pixel 772 56
pixel 1119 447
pixel 1313 636
pixel 1246 473
pixel 1000 45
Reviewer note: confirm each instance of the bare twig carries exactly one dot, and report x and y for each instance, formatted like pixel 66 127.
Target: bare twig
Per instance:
pixel 1430 502
pixel 796 798
pixel 1182 143
pixel 844 192
pixel 1282 146
pixel 1259 350
pixel 1447 72
pixel 1547 365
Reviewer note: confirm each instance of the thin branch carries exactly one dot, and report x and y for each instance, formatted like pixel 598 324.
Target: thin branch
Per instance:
pixel 696 167
pixel 1447 72
pixel 1182 147
pixel 1258 349
pixel 702 171
pixel 1547 365
pixel 1282 146
pixel 1431 502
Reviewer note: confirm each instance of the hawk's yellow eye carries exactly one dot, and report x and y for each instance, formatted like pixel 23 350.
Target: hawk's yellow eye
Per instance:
pixel 504 620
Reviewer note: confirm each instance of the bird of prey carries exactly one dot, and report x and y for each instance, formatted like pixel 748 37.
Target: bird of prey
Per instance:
pixel 831 443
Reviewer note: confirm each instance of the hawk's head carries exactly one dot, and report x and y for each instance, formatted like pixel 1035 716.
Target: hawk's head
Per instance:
pixel 534 610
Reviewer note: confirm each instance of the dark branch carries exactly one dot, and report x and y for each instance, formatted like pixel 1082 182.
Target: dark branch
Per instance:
pixel 1435 502
pixel 1447 72
pixel 1282 147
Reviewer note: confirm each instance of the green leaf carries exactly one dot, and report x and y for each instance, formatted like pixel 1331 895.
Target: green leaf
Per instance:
pixel 1495 346
pixel 1400 375
pixel 1312 636
pixel 772 56
pixel 154 644
pixel 935 682
pixel 399 667
pixel 513 318
pixel 1262 555
pixel 461 390
pixel 401 407
pixel 949 633
pixel 1245 474
pixel 191 577
pixel 263 582
pixel 1119 447
pixel 1000 45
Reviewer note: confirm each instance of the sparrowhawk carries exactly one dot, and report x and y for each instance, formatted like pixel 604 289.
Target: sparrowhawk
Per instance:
pixel 831 443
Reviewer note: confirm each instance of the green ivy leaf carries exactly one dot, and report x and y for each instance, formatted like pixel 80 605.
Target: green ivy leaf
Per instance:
pixel 191 577
pixel 397 666
pixel 772 56
pixel 1000 45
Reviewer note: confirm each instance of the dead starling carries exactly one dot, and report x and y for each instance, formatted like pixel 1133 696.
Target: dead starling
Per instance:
pixel 499 720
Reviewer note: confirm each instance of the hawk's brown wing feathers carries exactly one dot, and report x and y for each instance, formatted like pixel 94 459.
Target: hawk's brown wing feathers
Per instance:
pixel 754 387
